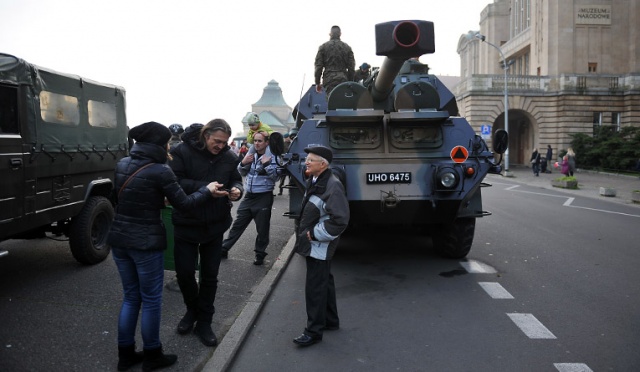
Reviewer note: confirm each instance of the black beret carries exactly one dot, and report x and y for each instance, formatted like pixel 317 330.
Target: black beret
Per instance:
pixel 322 151
pixel 151 132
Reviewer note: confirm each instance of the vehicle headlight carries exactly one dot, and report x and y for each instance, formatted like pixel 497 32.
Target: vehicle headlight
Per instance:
pixel 448 178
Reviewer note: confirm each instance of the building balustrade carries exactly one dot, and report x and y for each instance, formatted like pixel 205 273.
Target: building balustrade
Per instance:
pixel 567 83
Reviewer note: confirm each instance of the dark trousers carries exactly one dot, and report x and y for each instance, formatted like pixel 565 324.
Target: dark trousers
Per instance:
pixel 186 258
pixel 320 296
pixel 257 207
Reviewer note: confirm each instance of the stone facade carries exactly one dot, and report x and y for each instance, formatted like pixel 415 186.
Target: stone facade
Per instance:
pixel 572 65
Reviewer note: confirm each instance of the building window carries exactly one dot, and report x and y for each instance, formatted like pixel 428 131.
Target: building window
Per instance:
pixel 597 122
pixel 597 118
pixel 593 67
pixel 615 121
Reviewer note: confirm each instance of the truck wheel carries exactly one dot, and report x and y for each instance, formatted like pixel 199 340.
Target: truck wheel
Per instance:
pixel 89 229
pixel 453 240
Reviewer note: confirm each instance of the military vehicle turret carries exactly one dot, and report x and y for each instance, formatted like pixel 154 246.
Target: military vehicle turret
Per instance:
pixel 404 155
pixel 61 136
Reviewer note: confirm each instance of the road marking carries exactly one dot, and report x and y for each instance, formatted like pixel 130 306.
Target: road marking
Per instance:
pixel 531 326
pixel 569 202
pixel 495 290
pixel 572 367
pixel 476 267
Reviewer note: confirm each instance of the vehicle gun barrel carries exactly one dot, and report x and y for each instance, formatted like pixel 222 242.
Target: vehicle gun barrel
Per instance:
pixel 399 41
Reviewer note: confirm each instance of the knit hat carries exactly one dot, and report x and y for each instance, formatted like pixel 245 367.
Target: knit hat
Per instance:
pixel 151 132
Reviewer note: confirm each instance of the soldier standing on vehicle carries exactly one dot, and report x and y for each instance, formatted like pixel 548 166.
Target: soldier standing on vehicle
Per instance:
pixel 334 63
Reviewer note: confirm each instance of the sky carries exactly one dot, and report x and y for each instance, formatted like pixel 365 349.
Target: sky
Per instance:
pixel 195 60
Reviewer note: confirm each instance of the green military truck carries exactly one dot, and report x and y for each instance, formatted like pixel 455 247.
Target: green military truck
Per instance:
pixel 60 138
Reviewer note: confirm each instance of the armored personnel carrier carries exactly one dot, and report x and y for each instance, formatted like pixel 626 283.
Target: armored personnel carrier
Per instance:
pixel 404 155
pixel 60 138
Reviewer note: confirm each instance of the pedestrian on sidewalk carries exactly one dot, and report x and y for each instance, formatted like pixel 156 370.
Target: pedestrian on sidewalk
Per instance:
pixel 549 158
pixel 138 239
pixel 564 167
pixel 203 157
pixel 571 158
pixel 535 162
pixel 324 216
pixel 261 174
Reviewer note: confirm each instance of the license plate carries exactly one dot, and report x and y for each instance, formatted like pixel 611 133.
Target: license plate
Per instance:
pixel 389 177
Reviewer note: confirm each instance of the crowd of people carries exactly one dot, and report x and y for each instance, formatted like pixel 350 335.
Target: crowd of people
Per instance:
pixel 566 163
pixel 199 173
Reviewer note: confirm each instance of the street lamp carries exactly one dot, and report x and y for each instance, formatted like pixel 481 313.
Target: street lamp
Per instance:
pixel 481 37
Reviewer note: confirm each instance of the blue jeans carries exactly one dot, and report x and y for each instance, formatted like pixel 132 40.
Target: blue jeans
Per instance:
pixel 142 274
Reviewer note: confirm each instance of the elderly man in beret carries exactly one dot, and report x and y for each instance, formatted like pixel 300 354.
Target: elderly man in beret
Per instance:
pixel 324 216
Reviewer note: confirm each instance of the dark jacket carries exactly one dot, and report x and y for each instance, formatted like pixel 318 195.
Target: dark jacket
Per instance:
pixel 195 166
pixel 535 158
pixel 137 223
pixel 325 212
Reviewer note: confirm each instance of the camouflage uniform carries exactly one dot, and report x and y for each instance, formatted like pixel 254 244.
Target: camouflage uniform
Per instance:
pixel 335 57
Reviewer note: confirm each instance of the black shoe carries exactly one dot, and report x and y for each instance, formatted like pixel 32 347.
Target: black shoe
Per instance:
pixel 186 322
pixel 156 359
pixel 305 340
pixel 205 334
pixel 128 357
pixel 259 261
pixel 224 253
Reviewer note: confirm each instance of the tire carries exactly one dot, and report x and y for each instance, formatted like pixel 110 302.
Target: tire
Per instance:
pixel 89 230
pixel 454 240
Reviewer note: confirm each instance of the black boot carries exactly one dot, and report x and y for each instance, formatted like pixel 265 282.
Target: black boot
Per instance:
pixel 128 357
pixel 205 334
pixel 187 321
pixel 156 359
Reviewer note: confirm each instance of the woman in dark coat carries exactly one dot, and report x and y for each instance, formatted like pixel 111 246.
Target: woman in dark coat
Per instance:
pixel 535 162
pixel 138 239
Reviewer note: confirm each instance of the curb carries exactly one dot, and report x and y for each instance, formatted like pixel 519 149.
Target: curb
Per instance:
pixel 233 339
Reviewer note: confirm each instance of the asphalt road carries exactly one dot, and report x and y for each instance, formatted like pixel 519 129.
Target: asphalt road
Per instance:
pixel 550 285
pixel 57 315
pixel 567 257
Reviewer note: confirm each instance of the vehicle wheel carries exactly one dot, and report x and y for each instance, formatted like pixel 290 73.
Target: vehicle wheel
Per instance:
pixel 89 229
pixel 454 240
